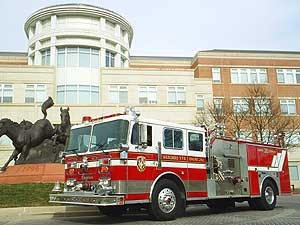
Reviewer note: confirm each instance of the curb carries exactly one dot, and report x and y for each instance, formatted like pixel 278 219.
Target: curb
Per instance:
pixel 55 211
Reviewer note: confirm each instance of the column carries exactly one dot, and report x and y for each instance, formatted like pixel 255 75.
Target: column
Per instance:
pixel 38 27
pixel 126 65
pixel 38 55
pixel 102 24
pixel 53 51
pixel 53 21
pixel 118 56
pixel 102 52
pixel 118 30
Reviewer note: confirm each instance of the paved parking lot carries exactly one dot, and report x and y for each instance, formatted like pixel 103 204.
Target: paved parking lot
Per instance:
pixel 287 212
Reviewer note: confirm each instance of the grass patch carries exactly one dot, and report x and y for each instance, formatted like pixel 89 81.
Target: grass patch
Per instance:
pixel 21 195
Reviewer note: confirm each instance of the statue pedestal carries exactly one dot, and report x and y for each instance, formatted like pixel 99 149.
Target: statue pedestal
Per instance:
pixel 33 173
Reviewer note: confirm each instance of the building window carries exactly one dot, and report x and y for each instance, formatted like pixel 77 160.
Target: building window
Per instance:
pixel 218 105
pixel 200 102
pixel 248 76
pixel 288 107
pixel 77 94
pixel 35 93
pixel 216 75
pixel 6 93
pixel 240 106
pixel 294 175
pixel 176 95
pixel 266 136
pixel 147 95
pixel 288 76
pixel 244 134
pixel 262 106
pixel 173 139
pixel 46 57
pixel 118 94
pixel 292 138
pixel 109 59
pixel 78 57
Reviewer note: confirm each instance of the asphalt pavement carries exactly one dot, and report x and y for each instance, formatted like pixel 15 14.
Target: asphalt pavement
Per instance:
pixel 287 212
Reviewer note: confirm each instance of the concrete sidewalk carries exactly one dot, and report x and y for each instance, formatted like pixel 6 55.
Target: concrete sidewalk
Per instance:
pixel 53 211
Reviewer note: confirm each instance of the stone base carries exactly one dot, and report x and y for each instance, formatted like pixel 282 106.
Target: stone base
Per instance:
pixel 33 173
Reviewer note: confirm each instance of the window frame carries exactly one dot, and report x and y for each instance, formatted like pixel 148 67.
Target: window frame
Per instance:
pixel 200 97
pixel 35 90
pixel 148 92
pixel 177 90
pixel 287 104
pixel 283 73
pixel 78 88
pixel 202 143
pixel 118 90
pixel 216 73
pixel 173 138
pixel 4 88
pixel 237 74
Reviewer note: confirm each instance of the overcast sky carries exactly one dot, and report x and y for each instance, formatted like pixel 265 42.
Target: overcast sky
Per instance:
pixel 179 27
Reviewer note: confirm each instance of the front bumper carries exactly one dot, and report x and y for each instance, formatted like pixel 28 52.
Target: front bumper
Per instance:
pixel 87 199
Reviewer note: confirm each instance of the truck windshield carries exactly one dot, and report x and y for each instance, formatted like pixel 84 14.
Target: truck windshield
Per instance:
pixel 109 135
pixel 79 140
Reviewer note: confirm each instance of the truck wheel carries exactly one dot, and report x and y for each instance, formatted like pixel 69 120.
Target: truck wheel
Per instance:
pixel 253 203
pixel 268 198
pixel 112 211
pixel 167 202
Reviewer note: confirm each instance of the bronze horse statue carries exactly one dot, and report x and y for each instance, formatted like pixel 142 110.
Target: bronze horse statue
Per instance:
pixel 62 130
pixel 24 139
pixel 27 135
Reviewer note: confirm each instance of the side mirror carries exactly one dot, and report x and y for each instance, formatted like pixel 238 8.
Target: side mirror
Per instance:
pixel 143 135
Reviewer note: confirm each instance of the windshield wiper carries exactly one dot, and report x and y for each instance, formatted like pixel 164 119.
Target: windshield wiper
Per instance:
pixel 100 147
pixel 74 150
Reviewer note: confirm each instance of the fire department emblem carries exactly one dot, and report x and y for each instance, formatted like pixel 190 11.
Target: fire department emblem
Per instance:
pixel 141 163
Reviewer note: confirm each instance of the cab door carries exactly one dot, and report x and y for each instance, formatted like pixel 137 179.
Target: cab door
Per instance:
pixel 196 164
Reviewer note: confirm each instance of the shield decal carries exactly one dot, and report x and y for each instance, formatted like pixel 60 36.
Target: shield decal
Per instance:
pixel 141 163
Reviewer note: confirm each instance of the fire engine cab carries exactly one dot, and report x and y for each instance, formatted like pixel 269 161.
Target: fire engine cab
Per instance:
pixel 123 161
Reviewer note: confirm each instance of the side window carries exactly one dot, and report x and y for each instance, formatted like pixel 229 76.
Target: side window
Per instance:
pixel 173 138
pixel 195 141
pixel 135 135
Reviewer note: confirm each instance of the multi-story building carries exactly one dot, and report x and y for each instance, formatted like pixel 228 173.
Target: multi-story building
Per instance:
pixel 80 55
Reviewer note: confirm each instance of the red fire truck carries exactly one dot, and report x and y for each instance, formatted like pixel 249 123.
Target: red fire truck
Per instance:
pixel 123 161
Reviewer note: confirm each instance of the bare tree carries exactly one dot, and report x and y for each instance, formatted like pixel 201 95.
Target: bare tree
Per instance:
pixel 259 113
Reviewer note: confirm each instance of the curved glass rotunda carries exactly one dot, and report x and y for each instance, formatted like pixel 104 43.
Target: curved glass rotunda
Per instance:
pixel 78 40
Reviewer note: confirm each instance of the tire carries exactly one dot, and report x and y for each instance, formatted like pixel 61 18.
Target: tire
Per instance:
pixel 253 203
pixel 268 198
pixel 167 201
pixel 112 211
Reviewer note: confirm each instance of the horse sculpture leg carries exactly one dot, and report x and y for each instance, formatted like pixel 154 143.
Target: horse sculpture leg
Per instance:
pixel 13 156
pixel 25 151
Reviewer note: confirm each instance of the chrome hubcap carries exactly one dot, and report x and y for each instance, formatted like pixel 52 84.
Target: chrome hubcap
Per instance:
pixel 166 200
pixel 269 195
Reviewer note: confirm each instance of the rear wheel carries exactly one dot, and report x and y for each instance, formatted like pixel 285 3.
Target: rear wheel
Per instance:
pixel 268 198
pixel 167 202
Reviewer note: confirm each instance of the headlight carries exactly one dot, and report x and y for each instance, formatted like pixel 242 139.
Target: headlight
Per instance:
pixel 71 182
pixel 85 161
pixel 104 182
